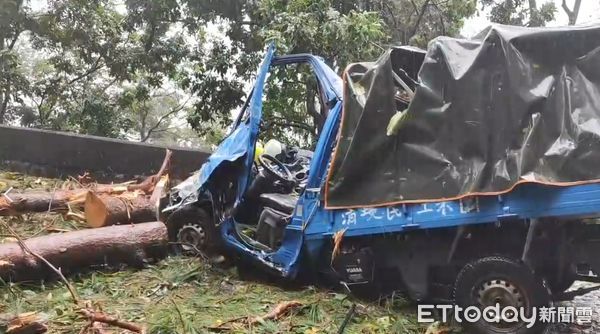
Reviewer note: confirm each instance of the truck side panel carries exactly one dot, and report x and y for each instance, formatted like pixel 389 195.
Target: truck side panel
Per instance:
pixel 527 201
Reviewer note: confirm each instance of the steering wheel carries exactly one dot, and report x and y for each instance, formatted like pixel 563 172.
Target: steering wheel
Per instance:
pixel 276 168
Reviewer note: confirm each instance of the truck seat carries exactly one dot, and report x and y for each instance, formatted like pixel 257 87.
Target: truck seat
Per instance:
pixel 280 202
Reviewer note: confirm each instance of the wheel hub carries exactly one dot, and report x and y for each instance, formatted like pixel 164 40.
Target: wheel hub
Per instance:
pixel 192 237
pixel 502 293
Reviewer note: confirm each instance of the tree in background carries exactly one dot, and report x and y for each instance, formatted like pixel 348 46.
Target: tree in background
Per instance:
pixel 340 31
pixel 151 110
pixel 85 51
pixel 572 13
pixel 13 21
pixel 296 26
pixel 416 22
pixel 520 12
pixel 135 68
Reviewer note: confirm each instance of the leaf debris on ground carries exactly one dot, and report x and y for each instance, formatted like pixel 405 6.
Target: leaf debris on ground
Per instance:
pixel 184 294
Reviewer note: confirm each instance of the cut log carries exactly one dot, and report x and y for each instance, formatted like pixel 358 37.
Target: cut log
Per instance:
pixel 27 323
pixel 106 210
pixel 71 251
pixel 16 203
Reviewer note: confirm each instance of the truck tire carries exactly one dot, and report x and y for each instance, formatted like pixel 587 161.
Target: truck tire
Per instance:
pixel 496 280
pixel 193 229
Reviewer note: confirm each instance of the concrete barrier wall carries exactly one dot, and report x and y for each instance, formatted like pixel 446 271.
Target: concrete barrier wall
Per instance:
pixel 58 154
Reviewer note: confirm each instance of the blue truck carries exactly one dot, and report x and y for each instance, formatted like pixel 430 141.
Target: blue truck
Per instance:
pixel 523 246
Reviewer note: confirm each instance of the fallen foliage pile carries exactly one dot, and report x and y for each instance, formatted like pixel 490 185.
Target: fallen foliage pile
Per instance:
pixel 175 295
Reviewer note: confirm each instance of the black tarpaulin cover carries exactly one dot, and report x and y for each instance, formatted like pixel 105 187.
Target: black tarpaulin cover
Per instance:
pixel 512 105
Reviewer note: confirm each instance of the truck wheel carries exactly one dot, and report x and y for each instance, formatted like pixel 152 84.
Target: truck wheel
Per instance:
pixel 500 281
pixel 193 229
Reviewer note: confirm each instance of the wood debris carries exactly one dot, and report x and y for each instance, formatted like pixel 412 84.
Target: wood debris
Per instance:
pixel 94 316
pixel 437 328
pixel 106 204
pixel 275 313
pixel 27 323
pixel 337 243
pixel 105 210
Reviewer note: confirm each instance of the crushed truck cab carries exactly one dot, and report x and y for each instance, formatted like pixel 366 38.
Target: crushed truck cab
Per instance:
pixel 504 216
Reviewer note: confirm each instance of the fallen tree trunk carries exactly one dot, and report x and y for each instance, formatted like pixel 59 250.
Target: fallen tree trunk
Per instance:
pixel 106 210
pixel 70 251
pixel 35 201
pixel 15 203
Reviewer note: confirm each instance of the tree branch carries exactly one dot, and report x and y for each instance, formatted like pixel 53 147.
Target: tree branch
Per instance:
pixel 163 118
pixel 108 85
pixel 391 13
pixel 566 8
pixel 14 41
pixel 92 69
pixel 443 14
pixel 419 19
pixel 572 14
pixel 5 97
pixel 286 123
pixel 415 7
pixel 94 316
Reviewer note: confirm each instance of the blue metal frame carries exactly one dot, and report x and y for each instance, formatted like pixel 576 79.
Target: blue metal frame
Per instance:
pixel 242 138
pixel 312 226
pixel 285 259
pixel 527 201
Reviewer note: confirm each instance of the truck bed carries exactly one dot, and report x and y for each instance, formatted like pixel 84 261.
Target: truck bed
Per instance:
pixel 526 201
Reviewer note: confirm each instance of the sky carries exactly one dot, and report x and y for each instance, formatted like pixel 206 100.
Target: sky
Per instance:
pixel 589 13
